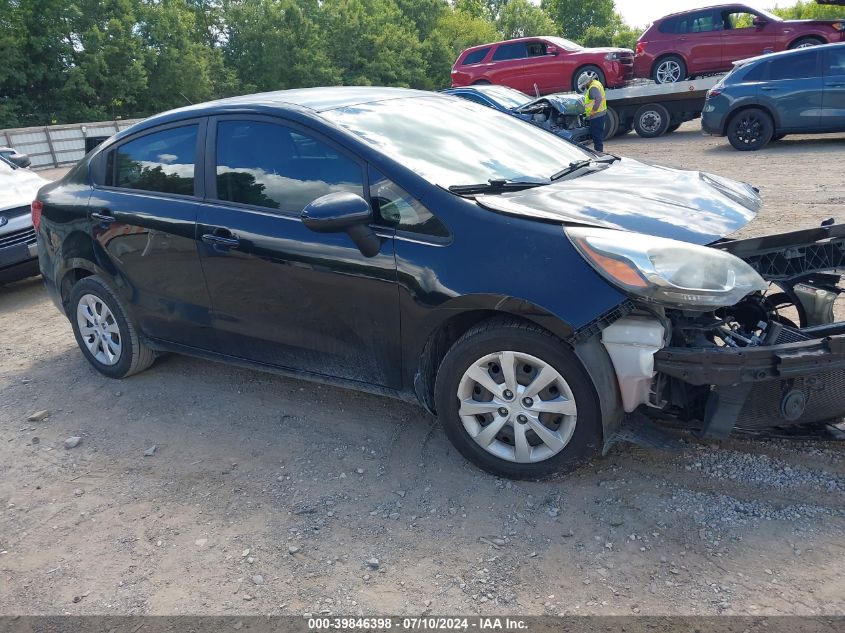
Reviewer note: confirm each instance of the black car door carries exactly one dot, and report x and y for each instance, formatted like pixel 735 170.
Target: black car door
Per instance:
pixel 143 218
pixel 282 294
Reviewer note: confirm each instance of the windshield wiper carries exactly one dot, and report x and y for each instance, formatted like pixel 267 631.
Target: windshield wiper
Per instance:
pixel 581 164
pixel 496 186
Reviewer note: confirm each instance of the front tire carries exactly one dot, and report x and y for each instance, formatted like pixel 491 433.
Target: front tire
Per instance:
pixel 594 72
pixel 517 402
pixel 750 130
pixel 103 331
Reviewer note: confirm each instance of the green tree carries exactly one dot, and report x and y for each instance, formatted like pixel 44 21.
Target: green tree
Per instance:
pixel 272 45
pixel 521 18
pixel 455 31
pixel 810 11
pixel 370 42
pixel 574 17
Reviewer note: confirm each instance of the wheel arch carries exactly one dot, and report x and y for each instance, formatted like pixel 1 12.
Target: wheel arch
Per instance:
pixel 807 36
pixel 663 56
pixel 450 321
pixel 747 106
pixel 591 353
pixel 581 67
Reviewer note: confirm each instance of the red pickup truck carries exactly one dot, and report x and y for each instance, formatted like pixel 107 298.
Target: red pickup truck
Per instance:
pixel 541 65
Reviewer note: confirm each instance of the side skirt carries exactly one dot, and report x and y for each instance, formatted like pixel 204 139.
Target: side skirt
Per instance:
pixel 166 346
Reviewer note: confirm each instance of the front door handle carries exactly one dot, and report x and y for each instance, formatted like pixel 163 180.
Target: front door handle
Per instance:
pixel 103 215
pixel 221 237
pixel 836 85
pixel 768 88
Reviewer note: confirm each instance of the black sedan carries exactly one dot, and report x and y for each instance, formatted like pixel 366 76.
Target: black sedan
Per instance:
pixel 536 295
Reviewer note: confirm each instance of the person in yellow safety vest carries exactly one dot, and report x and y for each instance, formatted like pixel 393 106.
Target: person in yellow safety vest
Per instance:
pixel 595 108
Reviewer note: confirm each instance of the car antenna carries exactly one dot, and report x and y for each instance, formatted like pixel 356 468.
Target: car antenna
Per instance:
pixel 186 98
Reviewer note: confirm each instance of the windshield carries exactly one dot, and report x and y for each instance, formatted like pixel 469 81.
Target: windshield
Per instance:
pixel 449 141
pixel 565 44
pixel 507 97
pixel 5 165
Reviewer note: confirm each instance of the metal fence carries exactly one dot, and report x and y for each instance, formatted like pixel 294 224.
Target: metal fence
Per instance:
pixel 57 145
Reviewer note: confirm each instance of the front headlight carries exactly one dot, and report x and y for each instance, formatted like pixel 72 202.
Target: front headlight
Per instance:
pixel 612 57
pixel 667 271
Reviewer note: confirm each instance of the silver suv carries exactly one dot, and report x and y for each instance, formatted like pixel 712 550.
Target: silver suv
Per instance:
pixel 18 252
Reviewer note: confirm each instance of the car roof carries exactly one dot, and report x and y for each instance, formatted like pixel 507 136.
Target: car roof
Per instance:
pixel 707 8
pixel 516 39
pixel 315 100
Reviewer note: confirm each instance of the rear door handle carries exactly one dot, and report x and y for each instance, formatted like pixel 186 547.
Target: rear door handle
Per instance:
pixel 221 237
pixel 768 88
pixel 103 215
pixel 836 85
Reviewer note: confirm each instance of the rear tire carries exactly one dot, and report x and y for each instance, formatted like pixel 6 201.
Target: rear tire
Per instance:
pixel 672 128
pixel 594 71
pixel 611 123
pixel 104 332
pixel 622 130
pixel 669 70
pixel 651 120
pixel 750 130
pixel 778 137
pixel 466 408
pixel 805 42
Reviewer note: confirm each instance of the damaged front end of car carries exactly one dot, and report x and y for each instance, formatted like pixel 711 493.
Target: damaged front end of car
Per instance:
pixel 773 358
pixel 561 114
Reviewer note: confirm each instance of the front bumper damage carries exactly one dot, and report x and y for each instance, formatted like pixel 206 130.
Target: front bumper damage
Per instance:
pixel 793 375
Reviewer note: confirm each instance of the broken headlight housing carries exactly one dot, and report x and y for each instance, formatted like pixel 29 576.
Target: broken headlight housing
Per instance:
pixel 665 271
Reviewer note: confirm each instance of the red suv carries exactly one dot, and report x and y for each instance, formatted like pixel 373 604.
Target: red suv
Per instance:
pixel 709 40
pixel 541 65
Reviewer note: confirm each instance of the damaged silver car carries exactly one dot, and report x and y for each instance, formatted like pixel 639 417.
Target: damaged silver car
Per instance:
pixel 561 114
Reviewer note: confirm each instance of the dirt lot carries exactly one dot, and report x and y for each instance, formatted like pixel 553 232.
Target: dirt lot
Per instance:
pixel 268 495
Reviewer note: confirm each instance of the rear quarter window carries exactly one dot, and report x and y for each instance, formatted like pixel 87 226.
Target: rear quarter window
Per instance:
pixel 757 72
pixel 474 57
pixel 668 26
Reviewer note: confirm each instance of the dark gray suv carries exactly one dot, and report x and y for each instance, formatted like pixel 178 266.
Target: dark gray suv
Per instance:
pixel 765 98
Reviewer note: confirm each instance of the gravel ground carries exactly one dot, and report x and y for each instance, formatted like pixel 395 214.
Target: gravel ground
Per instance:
pixel 197 488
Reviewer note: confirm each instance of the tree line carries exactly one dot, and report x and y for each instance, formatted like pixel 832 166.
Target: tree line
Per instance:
pixel 85 60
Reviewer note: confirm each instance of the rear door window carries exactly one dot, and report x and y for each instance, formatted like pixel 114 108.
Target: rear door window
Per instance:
pixel 272 166
pixel 475 57
pixel 700 22
pixel 800 66
pixel 160 161
pixel 513 50
pixel 757 72
pixel 669 26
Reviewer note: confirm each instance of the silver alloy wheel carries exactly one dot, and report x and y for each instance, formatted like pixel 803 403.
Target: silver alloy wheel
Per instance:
pixel 806 44
pixel 668 72
pixel 650 121
pixel 590 74
pixel 517 407
pixel 99 329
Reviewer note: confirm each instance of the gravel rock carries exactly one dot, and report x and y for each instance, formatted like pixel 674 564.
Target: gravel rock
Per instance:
pixel 38 416
pixel 292 549
pixel 150 451
pixel 79 492
pixel 372 563
pixel 73 442
pixel 258 579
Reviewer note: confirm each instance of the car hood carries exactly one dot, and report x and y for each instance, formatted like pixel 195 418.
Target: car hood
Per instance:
pixel 562 102
pixel 603 50
pixel 18 187
pixel 629 195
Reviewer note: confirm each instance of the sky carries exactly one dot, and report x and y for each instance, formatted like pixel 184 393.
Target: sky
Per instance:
pixel 643 12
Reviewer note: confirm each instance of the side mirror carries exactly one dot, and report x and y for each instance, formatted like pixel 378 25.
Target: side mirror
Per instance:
pixel 551 50
pixel 347 212
pixel 760 22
